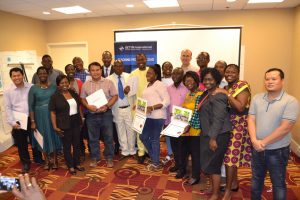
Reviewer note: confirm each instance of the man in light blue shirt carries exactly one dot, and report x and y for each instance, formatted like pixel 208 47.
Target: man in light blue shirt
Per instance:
pixel 272 116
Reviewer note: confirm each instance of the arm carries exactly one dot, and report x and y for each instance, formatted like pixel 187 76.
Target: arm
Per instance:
pixel 258 146
pixel 31 102
pixel 91 108
pixel 284 128
pixel 53 120
pixel 9 112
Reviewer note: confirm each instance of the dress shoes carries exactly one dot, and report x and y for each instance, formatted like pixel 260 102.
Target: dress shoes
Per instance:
pixel 180 174
pixel 141 159
pixel 80 168
pixel 173 169
pixel 192 181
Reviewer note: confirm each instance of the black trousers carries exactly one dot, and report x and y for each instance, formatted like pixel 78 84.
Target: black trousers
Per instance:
pixel 20 137
pixel 191 146
pixel 176 144
pixel 71 139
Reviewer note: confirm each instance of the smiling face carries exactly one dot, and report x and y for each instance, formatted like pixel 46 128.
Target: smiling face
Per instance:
pixel 273 81
pixel 231 74
pixel 106 58
pixel 209 82
pixel 43 75
pixel 186 57
pixel 96 72
pixel 167 69
pixel 47 62
pixel 118 67
pixel 64 84
pixel 70 71
pixel 177 75
pixel 203 60
pixel 141 61
pixel 190 83
pixel 17 78
pixel 78 64
pixel 151 76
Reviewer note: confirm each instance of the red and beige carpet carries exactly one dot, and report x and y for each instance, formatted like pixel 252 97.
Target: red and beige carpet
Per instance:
pixel 129 180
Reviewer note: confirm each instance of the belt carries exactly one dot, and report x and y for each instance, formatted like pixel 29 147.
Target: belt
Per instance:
pixel 122 107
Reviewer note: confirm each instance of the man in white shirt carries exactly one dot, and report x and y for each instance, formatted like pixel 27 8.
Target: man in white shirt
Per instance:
pixel 122 111
pixel 186 57
pixel 16 100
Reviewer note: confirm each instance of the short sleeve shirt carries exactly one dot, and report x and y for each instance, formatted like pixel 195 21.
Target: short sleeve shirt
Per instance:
pixel 269 114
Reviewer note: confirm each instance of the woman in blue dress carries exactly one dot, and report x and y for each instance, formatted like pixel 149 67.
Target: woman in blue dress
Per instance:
pixel 39 97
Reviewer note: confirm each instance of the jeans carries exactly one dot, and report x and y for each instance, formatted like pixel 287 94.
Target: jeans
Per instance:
pixel 275 161
pixel 100 123
pixel 150 138
pixel 169 147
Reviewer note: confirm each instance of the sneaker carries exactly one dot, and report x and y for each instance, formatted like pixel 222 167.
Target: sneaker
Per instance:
pixel 153 167
pixel 110 163
pixel 166 159
pixel 93 163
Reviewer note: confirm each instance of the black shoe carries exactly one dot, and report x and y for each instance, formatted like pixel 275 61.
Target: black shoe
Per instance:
pixel 122 157
pixel 173 169
pixel 192 181
pixel 180 174
pixel 223 188
pixel 26 168
pixel 80 168
pixel 72 171
pixel 39 161
pixel 141 159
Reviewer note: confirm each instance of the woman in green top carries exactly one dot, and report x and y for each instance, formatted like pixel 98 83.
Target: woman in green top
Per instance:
pixel 39 97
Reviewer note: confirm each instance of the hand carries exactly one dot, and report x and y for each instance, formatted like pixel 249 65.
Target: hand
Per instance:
pixel 92 108
pixel 59 132
pixel 133 107
pixel 127 89
pixel 16 126
pixel 213 144
pixel 258 145
pixel 186 129
pixel 102 108
pixel 33 125
pixel 149 109
pixel 29 191
pixel 220 90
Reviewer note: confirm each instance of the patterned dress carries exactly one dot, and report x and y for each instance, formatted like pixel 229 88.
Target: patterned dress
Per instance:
pixel 239 148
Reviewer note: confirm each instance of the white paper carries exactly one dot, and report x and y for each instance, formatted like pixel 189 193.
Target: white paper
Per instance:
pixel 22 118
pixel 133 84
pixel 97 99
pixel 39 138
pixel 138 123
pixel 179 120
pixel 141 106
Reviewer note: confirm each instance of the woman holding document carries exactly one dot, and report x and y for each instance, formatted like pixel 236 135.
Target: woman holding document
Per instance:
pixel 158 99
pixel 190 139
pixel 65 112
pixel 39 97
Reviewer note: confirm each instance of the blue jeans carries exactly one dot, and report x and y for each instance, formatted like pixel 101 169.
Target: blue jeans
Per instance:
pixel 100 123
pixel 275 161
pixel 150 138
pixel 168 141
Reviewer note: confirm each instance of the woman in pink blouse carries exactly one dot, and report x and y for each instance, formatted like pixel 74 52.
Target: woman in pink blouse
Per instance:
pixel 158 100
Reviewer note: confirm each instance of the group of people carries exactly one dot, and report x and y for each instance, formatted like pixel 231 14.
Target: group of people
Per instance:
pixel 225 129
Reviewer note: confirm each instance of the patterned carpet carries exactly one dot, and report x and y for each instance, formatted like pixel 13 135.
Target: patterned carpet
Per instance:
pixel 129 180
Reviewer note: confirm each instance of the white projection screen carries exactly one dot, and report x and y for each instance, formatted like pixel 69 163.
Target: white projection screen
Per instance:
pixel 222 43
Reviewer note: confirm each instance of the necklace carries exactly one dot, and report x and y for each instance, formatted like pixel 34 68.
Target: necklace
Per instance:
pixel 43 87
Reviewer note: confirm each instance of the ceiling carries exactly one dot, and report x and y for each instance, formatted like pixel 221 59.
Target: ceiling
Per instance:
pixel 34 8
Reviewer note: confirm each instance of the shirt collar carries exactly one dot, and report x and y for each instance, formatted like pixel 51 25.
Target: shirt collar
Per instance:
pixel 278 98
pixel 26 85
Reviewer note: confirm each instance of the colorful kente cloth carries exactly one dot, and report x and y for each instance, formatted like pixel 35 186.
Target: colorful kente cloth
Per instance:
pixel 239 148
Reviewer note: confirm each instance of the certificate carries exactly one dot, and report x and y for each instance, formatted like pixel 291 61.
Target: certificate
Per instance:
pixel 140 115
pixel 141 106
pixel 138 123
pixel 39 138
pixel 180 119
pixel 133 84
pixel 97 99
pixel 21 118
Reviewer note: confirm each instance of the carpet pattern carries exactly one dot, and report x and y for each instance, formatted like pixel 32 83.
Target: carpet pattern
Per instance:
pixel 129 180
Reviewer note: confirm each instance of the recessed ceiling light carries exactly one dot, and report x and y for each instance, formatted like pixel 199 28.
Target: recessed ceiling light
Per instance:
pixel 46 13
pixel 161 4
pixel 231 1
pixel 265 1
pixel 71 10
pixel 129 5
